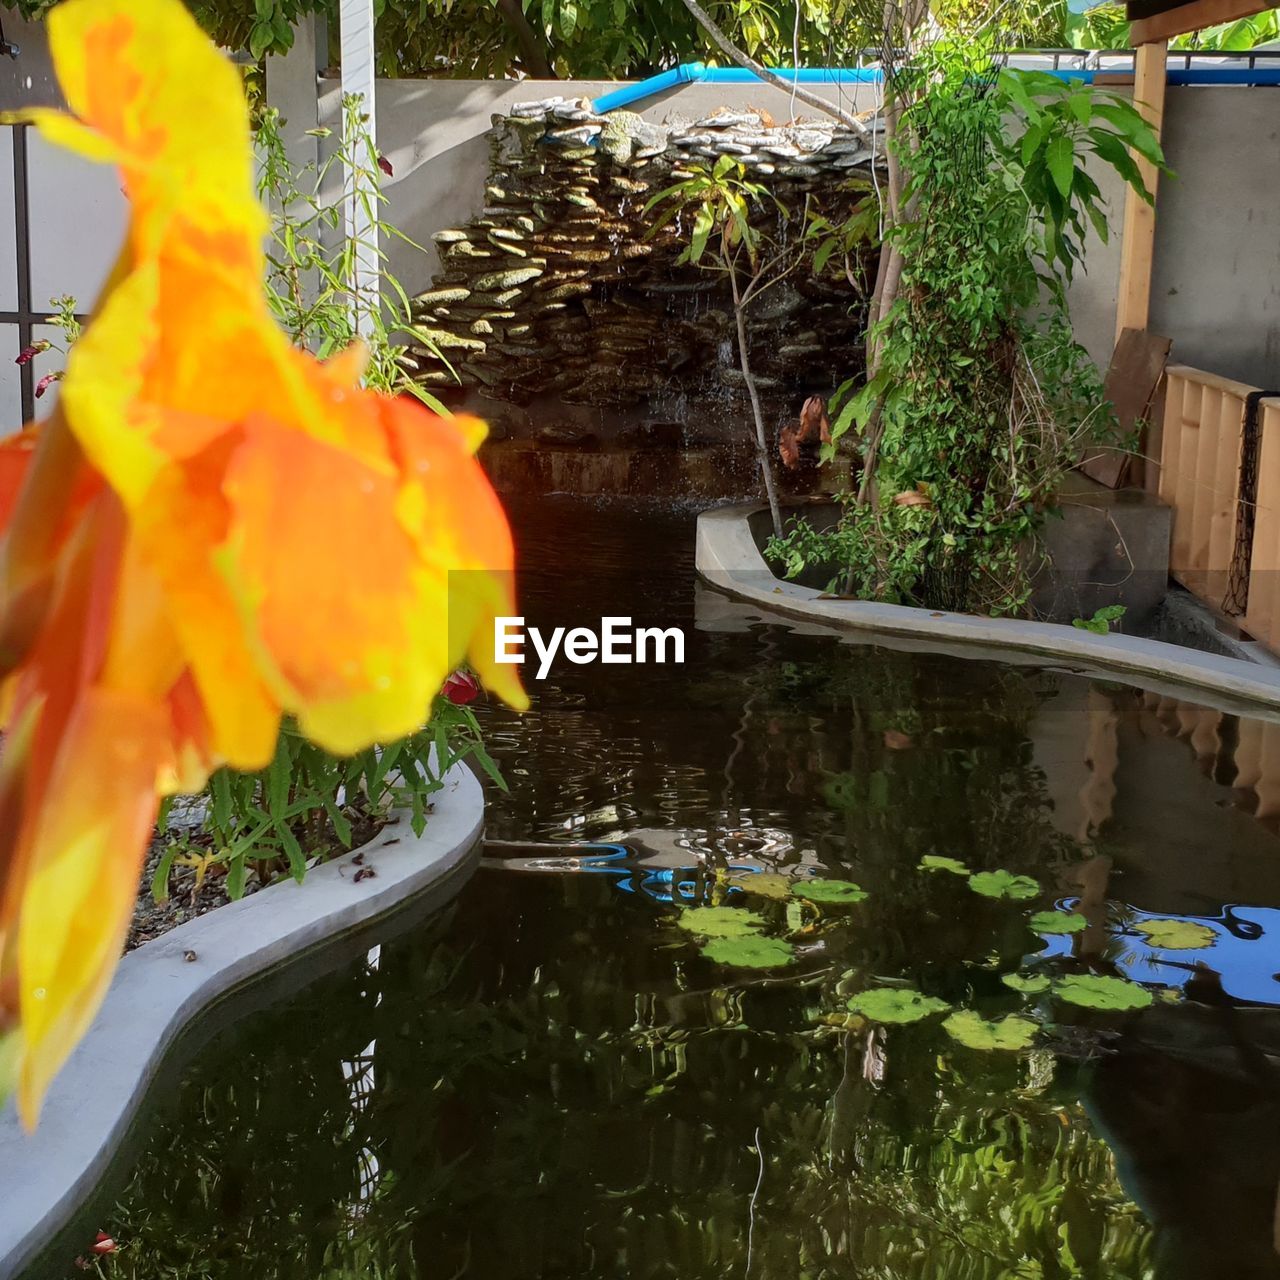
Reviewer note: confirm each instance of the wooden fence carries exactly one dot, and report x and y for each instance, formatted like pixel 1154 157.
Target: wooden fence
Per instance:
pixel 1220 472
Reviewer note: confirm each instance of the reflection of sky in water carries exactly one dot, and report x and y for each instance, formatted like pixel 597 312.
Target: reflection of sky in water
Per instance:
pixel 1243 953
pixel 662 884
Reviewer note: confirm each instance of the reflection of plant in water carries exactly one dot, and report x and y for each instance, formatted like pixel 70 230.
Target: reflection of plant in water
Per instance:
pixel 585 1104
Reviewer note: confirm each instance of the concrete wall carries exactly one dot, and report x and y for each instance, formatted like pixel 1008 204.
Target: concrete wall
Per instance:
pixel 1217 280
pixel 434 133
pixel 1216 290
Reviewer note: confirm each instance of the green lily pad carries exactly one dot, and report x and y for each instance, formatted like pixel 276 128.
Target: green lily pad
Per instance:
pixel 975 1032
pixel 719 922
pixel 1176 935
pixel 750 951
pixel 765 884
pixel 1004 884
pixel 1057 922
pixel 935 862
pixel 895 1005
pixel 1092 992
pixel 1030 984
pixel 829 891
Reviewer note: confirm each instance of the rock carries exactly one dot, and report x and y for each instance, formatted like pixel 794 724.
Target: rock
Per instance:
pixel 577 137
pixel 730 120
pixel 505 280
pixel 451 235
pixel 445 340
pixel 442 297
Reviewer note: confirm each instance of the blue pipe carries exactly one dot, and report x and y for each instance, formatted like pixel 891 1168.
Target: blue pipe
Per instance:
pixel 697 72
pixel 629 93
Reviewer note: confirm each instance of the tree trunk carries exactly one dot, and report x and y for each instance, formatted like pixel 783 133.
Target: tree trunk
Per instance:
pixel 744 362
pixel 532 51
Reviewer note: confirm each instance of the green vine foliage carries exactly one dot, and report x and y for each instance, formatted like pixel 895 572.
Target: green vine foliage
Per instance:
pixel 984 396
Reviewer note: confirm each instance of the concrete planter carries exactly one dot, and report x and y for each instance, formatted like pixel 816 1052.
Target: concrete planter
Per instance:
pixel 164 985
pixel 727 557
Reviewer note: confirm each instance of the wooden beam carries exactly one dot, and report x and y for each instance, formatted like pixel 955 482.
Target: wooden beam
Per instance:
pixel 1137 249
pixel 1191 17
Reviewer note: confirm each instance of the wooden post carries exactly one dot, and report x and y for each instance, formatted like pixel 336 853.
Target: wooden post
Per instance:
pixel 1133 300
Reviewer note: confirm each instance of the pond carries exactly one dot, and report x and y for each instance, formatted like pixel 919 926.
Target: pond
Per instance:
pixel 550 1078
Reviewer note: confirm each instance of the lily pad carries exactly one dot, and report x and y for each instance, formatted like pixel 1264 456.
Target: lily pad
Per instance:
pixel 750 951
pixel 1030 984
pixel 1004 884
pixel 765 884
pixel 974 1032
pixel 896 1005
pixel 719 922
pixel 1090 991
pixel 829 891
pixel 1176 935
pixel 935 862
pixel 1057 922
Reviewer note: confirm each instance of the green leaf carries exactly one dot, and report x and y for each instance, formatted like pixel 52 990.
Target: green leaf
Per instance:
pixel 765 884
pixel 261 38
pixel 264 9
pixel 160 880
pixel 719 922
pixel 1090 991
pixel 1004 884
pixel 834 891
pixel 936 862
pixel 1056 922
pixel 703 224
pixel 1060 156
pixel 750 952
pixel 896 1005
pixel 1176 935
pixel 974 1032
pixel 235 877
pixel 1030 984
pixel 841 792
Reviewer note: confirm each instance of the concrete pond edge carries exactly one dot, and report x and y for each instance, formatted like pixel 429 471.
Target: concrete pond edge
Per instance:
pixel 163 986
pixel 728 558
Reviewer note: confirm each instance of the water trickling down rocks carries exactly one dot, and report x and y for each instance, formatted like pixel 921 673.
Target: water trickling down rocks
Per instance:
pixel 559 302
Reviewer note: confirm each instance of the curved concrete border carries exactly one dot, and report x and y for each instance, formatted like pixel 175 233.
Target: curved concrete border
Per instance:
pixel 162 986
pixel 727 557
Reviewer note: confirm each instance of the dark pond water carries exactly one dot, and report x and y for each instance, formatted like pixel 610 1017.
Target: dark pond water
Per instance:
pixel 547 1079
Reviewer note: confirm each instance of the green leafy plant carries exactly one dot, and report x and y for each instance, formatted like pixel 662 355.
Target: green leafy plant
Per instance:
pixel 1176 935
pixel 935 862
pixel 720 203
pixel 896 1005
pixel 311 261
pixel 1057 922
pixel 719 922
pixel 836 892
pixel 1091 991
pixel 750 951
pixel 970 1029
pixel 1003 884
pixel 307 804
pixel 1102 621
pixel 978 398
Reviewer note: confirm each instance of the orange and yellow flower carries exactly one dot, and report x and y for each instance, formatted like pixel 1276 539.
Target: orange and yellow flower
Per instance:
pixel 212 530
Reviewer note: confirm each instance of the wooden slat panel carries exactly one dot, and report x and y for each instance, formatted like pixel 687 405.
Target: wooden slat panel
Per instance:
pixel 1184 498
pixel 1263 617
pixel 1226 498
pixel 1171 435
pixel 1205 499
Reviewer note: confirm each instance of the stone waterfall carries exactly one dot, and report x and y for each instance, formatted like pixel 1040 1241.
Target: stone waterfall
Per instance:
pixel 605 363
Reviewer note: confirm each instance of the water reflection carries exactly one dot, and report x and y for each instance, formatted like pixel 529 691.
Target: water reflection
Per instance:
pixel 550 1081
